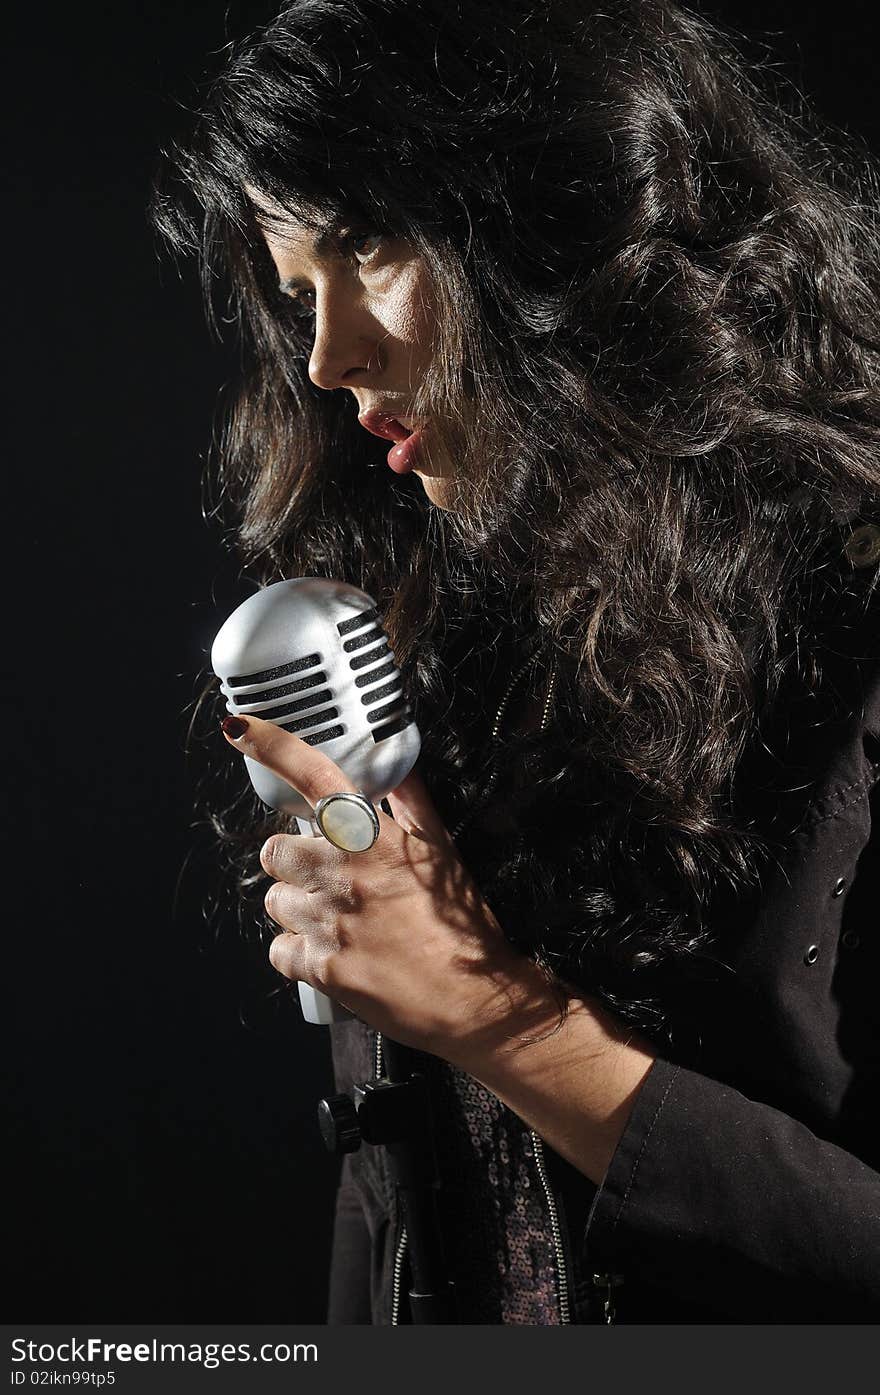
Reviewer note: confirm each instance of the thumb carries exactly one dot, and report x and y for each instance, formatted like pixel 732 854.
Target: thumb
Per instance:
pixel 415 811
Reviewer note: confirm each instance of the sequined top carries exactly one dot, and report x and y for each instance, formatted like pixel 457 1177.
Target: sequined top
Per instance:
pixel 507 1265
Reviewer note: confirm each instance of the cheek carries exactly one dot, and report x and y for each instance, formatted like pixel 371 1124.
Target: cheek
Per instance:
pixel 407 312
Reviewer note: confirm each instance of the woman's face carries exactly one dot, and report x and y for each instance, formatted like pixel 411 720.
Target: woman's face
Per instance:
pixel 369 303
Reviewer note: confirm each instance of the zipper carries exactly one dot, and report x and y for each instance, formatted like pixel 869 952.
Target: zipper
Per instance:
pixel 401 1247
pixel 562 1282
pixel 608 1283
pixel 562 1285
pixel 397 1277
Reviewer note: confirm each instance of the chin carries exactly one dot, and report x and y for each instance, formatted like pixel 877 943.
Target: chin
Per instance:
pixel 438 489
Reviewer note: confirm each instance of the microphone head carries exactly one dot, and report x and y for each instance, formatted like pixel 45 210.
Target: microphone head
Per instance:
pixel 311 656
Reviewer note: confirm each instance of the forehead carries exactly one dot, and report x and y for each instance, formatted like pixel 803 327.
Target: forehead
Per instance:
pixel 289 236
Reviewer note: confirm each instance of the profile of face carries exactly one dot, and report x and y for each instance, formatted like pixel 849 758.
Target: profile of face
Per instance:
pixel 368 300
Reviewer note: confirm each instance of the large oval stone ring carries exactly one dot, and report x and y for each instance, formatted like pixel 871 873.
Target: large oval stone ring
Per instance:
pixel 348 821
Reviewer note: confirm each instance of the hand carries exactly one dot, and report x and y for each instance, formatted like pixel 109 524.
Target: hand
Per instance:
pixel 399 934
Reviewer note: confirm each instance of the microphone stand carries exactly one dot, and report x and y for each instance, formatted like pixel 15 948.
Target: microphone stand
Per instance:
pixel 395 1110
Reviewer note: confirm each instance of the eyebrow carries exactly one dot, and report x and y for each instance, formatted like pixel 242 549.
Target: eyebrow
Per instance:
pixel 326 241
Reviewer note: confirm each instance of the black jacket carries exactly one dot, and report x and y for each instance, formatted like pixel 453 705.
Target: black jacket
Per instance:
pixel 746 1186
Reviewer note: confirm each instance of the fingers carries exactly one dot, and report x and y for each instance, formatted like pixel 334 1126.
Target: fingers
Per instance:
pixel 415 811
pixel 296 909
pixel 289 951
pixel 308 770
pixel 283 904
pixel 315 776
pixel 297 957
pixel 303 861
pixel 287 954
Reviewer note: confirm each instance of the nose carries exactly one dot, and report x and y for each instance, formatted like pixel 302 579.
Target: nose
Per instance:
pixel 344 349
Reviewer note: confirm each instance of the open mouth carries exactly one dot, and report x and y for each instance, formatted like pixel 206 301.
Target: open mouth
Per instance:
pixel 404 453
pixel 381 424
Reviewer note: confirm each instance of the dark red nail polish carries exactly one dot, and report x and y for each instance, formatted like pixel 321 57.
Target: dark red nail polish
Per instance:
pixel 234 727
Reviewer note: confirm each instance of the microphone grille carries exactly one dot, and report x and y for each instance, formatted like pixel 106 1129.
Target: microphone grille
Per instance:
pixel 305 703
pixel 310 655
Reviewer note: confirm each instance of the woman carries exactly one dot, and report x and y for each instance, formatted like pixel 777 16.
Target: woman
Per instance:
pixel 618 317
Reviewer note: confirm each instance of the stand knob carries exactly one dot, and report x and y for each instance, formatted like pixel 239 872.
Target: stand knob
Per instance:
pixel 338 1122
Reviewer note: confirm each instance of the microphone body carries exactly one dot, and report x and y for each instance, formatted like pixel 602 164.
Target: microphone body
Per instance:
pixel 311 656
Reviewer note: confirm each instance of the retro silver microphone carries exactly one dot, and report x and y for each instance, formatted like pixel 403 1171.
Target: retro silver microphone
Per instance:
pixel 311 656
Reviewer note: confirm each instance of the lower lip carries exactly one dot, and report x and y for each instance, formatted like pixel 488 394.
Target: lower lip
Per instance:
pixel 403 456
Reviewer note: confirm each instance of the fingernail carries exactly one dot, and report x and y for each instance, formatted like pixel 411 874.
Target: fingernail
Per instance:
pixel 234 727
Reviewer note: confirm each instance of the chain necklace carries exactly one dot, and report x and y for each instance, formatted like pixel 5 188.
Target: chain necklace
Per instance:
pixel 537 1142
pixel 483 798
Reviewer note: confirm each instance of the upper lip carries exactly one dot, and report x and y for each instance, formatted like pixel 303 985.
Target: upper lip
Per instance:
pixel 386 424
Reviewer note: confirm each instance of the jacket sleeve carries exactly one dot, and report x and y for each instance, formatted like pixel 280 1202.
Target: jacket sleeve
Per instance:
pixel 712 1194
pixel 762 1201
pixel 738 1197
pixel 755 1194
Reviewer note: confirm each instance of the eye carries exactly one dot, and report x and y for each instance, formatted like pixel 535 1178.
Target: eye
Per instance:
pixel 301 303
pixel 364 245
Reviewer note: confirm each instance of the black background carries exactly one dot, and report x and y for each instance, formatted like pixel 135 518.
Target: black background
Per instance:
pixel 164 1162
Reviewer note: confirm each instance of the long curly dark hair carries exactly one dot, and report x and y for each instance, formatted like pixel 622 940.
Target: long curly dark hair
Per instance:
pixel 656 364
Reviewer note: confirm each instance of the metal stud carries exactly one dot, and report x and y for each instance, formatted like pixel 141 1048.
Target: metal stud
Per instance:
pixel 839 885
pixel 812 954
